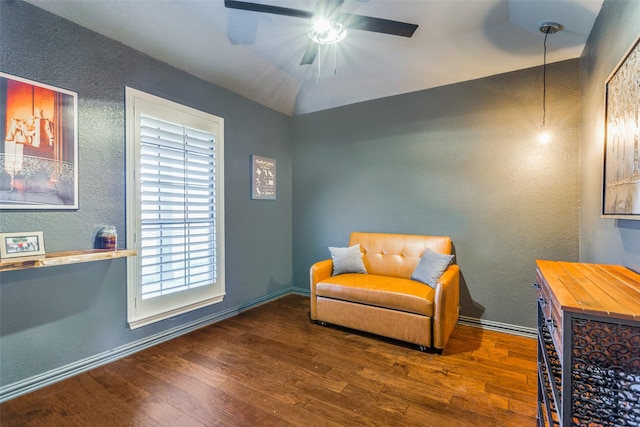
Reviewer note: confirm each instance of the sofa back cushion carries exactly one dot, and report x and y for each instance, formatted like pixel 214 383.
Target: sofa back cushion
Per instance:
pixel 396 255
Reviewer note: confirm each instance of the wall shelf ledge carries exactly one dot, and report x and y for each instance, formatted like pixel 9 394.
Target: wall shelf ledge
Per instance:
pixel 64 258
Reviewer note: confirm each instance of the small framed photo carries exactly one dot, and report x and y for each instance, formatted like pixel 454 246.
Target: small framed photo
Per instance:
pixel 21 244
pixel 263 178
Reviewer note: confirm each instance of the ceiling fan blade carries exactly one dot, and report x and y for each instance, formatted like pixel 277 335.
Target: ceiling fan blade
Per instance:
pixel 378 25
pixel 242 27
pixel 265 8
pixel 328 9
pixel 310 53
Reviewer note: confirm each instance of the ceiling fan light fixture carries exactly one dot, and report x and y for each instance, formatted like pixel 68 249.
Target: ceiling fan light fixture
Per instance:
pixel 324 31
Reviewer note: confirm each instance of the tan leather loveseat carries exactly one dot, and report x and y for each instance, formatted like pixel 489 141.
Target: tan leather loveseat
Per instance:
pixel 386 301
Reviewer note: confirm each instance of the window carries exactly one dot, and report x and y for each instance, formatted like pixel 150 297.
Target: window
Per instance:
pixel 175 208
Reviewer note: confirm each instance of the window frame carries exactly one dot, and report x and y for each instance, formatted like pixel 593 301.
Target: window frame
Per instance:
pixel 141 312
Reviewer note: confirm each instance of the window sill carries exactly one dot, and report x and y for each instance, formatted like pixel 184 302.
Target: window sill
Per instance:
pixel 63 258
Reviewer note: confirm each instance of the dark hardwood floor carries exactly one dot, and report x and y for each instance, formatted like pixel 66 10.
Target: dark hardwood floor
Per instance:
pixel 271 366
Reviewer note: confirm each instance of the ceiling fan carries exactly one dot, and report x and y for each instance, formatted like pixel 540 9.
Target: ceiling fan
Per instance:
pixel 333 23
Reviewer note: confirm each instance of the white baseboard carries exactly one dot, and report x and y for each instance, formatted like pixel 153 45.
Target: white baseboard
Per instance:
pixel 44 379
pixel 497 326
pixel 305 292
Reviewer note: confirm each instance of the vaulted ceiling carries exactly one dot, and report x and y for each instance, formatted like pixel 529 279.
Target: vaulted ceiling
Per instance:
pixel 456 40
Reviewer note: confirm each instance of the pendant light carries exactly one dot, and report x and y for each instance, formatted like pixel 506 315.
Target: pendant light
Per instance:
pixel 546 28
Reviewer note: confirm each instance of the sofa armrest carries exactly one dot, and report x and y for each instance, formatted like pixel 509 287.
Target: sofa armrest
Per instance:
pixel 446 305
pixel 319 271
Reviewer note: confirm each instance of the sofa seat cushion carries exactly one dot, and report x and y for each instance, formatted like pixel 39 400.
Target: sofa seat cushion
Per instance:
pixel 381 291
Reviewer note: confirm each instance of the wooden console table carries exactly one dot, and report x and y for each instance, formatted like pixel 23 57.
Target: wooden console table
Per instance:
pixel 588 345
pixel 63 258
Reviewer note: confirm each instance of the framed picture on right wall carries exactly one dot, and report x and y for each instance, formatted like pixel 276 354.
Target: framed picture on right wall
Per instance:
pixel 621 198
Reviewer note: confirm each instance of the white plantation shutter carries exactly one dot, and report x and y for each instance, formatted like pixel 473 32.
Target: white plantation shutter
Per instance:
pixel 177 180
pixel 176 209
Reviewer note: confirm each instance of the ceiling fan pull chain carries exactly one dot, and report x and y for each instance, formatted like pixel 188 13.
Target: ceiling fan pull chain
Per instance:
pixel 335 59
pixel 319 60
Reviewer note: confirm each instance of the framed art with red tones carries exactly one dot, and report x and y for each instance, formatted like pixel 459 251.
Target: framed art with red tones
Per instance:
pixel 38 145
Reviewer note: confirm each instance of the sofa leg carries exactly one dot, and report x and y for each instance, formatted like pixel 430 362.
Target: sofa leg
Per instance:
pixel 425 349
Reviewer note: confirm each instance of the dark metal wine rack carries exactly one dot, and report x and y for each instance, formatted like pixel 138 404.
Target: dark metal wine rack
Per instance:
pixel 605 373
pixel 588 345
pixel 549 376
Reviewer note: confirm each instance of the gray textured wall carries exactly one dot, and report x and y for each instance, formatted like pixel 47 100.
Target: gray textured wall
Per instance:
pixel 461 160
pixel 55 316
pixel 604 240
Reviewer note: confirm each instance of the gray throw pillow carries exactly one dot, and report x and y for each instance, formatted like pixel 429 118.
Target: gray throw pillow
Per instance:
pixel 347 260
pixel 431 266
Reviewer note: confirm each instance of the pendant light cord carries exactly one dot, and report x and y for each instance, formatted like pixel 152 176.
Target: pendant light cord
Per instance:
pixel 546 28
pixel 544 81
